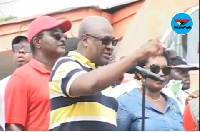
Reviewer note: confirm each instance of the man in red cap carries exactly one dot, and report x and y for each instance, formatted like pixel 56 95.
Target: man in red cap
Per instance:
pixel 27 102
pixel 21 55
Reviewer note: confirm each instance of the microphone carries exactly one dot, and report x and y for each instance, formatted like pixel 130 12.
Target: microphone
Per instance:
pixel 145 73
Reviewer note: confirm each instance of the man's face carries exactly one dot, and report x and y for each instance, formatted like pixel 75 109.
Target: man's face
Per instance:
pixel 181 74
pixel 53 43
pixel 22 53
pixel 100 46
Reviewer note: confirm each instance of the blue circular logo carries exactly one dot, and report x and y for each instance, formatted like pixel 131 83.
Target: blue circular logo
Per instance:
pixel 181 23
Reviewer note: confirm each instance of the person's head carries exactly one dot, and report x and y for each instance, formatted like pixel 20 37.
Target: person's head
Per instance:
pixel 159 65
pixel 46 37
pixel 96 40
pixel 71 45
pixel 22 51
pixel 180 71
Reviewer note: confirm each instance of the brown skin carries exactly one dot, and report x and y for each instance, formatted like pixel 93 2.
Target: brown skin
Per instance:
pixel 21 57
pixel 93 49
pixel 48 50
pixel 153 88
pixel 99 79
pixel 192 95
pixel 181 74
pixel 154 85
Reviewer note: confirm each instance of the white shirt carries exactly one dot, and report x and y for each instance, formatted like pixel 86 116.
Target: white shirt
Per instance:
pixel 3 84
pixel 181 96
pixel 125 87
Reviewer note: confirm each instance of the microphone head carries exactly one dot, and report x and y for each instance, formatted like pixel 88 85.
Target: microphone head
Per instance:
pixel 148 74
pixel 132 69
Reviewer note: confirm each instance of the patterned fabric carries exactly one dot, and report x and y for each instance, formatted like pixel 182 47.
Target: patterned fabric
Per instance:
pixel 96 112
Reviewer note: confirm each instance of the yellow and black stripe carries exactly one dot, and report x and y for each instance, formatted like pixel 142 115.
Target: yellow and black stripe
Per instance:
pixel 96 112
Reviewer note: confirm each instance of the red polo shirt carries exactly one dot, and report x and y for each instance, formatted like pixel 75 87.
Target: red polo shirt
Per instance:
pixel 188 121
pixel 27 100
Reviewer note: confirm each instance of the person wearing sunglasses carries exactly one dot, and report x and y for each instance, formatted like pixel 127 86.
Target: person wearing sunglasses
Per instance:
pixel 162 113
pixel 27 101
pixel 22 50
pixel 80 84
pixel 21 55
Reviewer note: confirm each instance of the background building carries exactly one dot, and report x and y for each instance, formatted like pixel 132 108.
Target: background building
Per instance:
pixel 134 22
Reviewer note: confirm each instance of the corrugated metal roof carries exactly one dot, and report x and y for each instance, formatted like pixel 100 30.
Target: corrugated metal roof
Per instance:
pixel 99 5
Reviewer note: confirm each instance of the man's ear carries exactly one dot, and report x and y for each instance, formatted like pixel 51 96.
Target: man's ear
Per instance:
pixel 84 41
pixel 36 43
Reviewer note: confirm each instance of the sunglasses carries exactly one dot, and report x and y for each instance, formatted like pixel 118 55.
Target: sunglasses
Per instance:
pixel 58 35
pixel 18 47
pixel 105 40
pixel 156 69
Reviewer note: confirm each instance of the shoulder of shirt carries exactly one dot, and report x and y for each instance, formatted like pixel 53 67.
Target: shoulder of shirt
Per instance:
pixel 131 94
pixel 174 101
pixel 23 71
pixel 4 82
pixel 5 79
pixel 64 59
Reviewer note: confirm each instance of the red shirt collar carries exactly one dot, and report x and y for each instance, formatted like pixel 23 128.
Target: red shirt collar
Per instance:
pixel 38 66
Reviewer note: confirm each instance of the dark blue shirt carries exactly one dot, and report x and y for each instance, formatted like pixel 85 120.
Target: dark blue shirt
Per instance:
pixel 130 114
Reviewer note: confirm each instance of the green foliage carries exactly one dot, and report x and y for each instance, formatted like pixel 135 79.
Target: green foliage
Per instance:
pixel 4 19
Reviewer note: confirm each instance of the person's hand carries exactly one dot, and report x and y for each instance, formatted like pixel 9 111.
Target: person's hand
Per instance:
pixel 151 49
pixel 192 95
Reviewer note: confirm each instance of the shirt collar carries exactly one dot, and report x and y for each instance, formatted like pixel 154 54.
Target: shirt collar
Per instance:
pixel 138 94
pixel 38 66
pixel 81 59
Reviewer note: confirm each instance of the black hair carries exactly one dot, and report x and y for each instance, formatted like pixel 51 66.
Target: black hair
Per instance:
pixel 144 62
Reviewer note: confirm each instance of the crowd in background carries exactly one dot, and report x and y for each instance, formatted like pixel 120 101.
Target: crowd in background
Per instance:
pixel 63 84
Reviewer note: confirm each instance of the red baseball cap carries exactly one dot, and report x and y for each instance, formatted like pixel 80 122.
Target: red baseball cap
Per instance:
pixel 43 23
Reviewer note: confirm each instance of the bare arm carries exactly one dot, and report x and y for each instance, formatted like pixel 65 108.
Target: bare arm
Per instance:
pixel 101 78
pixel 14 127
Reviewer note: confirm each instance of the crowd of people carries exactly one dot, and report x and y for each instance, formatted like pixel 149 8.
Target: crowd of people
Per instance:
pixel 63 84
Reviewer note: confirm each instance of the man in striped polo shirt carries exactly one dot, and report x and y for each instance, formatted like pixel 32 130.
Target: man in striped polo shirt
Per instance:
pixel 81 96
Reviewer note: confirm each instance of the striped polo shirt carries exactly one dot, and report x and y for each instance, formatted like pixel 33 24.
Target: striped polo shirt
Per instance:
pixel 86 113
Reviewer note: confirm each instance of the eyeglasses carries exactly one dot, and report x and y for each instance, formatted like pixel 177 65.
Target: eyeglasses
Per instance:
pixel 156 69
pixel 18 47
pixel 58 35
pixel 105 40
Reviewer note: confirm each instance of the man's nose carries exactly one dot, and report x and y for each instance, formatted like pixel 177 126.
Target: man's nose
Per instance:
pixel 186 74
pixel 22 51
pixel 63 39
pixel 110 46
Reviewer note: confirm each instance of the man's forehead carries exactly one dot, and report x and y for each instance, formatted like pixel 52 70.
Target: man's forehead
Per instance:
pixel 23 41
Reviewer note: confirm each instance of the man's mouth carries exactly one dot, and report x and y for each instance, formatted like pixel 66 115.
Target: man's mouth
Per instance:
pixel 20 59
pixel 187 82
pixel 62 46
pixel 108 56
